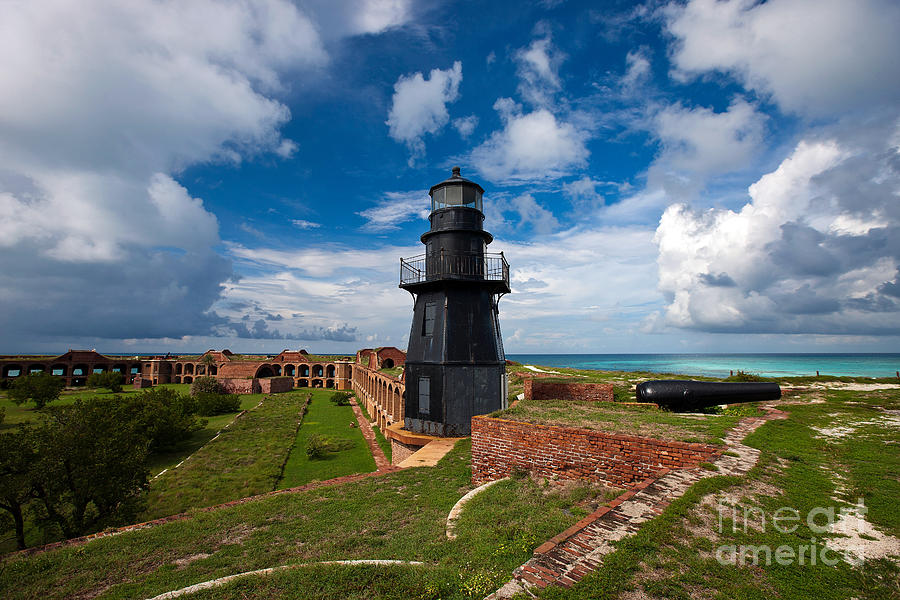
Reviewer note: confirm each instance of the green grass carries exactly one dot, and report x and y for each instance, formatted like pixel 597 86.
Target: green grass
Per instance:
pixel 245 460
pixel 392 371
pixel 350 453
pixel 400 516
pixel 383 443
pixel 166 460
pixel 27 412
pixel 617 418
pixel 673 556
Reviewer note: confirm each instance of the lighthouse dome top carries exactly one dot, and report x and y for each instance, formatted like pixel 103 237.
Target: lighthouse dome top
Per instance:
pixel 456 192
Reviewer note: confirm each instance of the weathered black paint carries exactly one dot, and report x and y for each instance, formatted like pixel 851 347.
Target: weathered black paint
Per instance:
pixel 460 349
pixel 682 395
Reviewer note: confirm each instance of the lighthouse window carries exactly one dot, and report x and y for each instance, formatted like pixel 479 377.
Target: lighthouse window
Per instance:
pixel 428 325
pixel 424 395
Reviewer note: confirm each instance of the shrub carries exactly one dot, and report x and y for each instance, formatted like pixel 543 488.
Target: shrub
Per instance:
pixel 743 376
pixel 316 446
pixel 206 385
pixel 110 380
pixel 340 398
pixel 209 405
pixel 39 387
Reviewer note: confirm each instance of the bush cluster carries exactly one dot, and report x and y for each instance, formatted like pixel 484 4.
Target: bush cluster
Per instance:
pixel 206 385
pixel 110 380
pixel 340 398
pixel 211 404
pixel 316 446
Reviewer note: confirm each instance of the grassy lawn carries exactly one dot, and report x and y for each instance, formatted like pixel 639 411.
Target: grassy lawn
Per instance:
pixel 167 460
pixel 27 412
pixel 396 516
pixel 627 419
pixel 246 459
pixel 804 465
pixel 349 451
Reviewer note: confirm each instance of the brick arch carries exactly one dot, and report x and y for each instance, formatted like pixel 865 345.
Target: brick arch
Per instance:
pixel 265 371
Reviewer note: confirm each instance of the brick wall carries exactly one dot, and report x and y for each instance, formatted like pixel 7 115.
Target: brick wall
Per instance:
pixel 273 385
pixel 401 451
pixel 276 385
pixel 499 446
pixel 594 392
pixel 240 386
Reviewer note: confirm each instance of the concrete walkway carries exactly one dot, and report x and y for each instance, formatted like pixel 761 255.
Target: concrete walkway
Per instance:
pixel 568 557
pixel 429 454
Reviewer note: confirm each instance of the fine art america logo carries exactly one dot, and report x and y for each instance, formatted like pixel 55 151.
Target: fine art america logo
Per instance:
pixel 786 520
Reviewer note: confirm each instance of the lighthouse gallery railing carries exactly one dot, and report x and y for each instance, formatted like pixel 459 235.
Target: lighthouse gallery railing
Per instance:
pixel 476 267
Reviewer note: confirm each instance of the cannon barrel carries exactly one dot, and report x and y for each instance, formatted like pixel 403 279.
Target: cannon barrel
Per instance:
pixel 684 395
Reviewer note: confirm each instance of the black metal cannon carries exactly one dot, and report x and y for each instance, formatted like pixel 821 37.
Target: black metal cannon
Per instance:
pixel 685 396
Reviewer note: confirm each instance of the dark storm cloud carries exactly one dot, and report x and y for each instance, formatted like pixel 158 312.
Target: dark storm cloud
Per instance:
pixel 144 295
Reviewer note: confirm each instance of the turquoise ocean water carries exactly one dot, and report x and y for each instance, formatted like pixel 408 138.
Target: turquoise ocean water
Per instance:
pixel 719 365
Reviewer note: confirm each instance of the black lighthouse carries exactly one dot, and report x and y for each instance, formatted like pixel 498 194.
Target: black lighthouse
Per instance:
pixel 455 366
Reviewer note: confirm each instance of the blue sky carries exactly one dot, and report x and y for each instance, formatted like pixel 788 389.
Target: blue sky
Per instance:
pixel 663 176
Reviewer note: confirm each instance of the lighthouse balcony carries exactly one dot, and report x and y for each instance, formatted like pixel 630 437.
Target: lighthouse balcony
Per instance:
pixel 424 269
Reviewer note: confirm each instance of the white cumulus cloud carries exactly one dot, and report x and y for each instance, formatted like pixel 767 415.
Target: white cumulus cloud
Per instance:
pixel 795 258
pixel 813 57
pixel 705 142
pixel 530 147
pixel 419 106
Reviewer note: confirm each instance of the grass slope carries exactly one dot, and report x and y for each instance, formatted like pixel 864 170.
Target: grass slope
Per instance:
pixel 246 459
pixel 400 515
pixel 350 452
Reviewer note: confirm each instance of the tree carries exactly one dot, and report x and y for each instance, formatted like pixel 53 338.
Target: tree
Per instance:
pixel 111 380
pixel 209 405
pixel 88 471
pixel 16 488
pixel 208 360
pixel 162 415
pixel 39 387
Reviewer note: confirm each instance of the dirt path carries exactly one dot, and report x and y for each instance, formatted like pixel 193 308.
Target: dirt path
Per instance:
pixel 381 461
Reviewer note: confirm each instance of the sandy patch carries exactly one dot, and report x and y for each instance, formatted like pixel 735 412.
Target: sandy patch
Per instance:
pixel 186 560
pixel 856 387
pixel 851 526
pixel 539 370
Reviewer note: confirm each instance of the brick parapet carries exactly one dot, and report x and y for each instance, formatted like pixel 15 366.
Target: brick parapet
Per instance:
pixel 500 446
pixel 578 392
